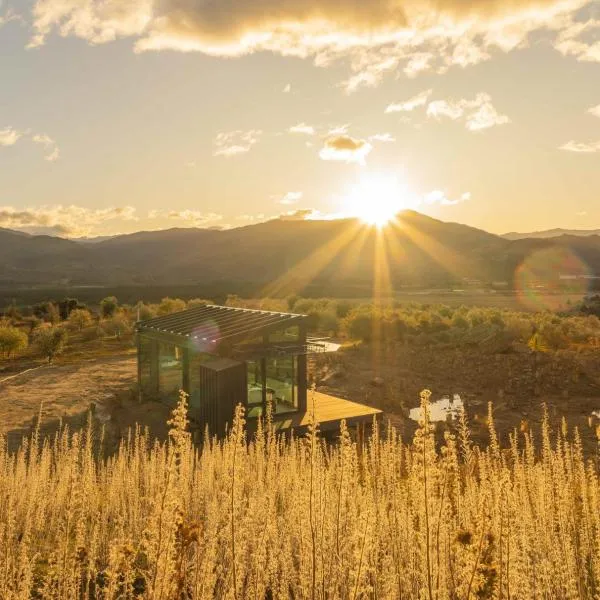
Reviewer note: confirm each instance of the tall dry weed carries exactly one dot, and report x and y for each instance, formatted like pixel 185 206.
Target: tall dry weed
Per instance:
pixel 299 518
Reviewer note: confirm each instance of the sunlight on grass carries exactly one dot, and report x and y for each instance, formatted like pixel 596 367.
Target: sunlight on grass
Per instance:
pixel 278 519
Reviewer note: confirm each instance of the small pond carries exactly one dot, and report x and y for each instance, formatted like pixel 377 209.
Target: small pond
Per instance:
pixel 441 410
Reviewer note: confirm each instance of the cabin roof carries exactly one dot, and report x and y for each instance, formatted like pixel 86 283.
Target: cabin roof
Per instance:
pixel 215 324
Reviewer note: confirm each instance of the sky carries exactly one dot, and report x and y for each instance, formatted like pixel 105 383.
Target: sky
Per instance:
pixel 126 115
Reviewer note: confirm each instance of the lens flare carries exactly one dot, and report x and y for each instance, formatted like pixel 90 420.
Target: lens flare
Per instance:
pixel 204 335
pixel 546 277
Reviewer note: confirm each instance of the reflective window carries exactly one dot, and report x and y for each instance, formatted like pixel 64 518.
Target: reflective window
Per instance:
pixel 291 334
pixel 170 370
pixel 255 388
pixel 282 385
pixel 146 358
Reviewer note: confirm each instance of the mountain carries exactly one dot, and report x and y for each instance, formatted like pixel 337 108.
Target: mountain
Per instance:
pixel 550 233
pixel 284 256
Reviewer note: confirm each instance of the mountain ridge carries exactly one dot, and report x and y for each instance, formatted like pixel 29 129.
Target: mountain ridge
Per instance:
pixel 283 256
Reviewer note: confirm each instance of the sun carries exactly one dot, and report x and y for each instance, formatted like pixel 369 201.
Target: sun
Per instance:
pixel 376 200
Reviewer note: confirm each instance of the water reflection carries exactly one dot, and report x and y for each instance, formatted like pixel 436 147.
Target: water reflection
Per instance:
pixel 441 410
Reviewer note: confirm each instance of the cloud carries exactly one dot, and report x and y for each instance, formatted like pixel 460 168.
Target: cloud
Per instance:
pixel 439 197
pixel 287 89
pixel 338 129
pixel 290 198
pixel 581 147
pixel 378 37
pixel 579 39
pixel 196 217
pixel 53 151
pixel 9 136
pixel 67 221
pixel 302 128
pixel 302 214
pixel 478 114
pixel 346 149
pixel 382 137
pixel 236 142
pixel 409 105
pixel 595 110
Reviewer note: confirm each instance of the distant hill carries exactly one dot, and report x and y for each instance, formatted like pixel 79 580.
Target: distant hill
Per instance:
pixel 550 233
pixel 282 256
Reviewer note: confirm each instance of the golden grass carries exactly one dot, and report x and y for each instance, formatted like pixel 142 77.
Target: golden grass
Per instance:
pixel 300 518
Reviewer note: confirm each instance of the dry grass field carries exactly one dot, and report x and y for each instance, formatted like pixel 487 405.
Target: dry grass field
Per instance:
pixel 266 518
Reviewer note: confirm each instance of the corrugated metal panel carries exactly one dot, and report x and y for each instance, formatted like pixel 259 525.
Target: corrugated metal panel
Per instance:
pixel 222 388
pixel 215 324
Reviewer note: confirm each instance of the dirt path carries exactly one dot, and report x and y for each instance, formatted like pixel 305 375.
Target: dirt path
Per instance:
pixel 66 390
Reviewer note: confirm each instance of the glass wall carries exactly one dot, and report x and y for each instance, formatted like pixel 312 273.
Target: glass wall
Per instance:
pixel 255 388
pixel 282 383
pixel 148 384
pixel 291 334
pixel 170 370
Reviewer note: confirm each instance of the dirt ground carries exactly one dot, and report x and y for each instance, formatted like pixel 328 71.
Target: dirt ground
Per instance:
pixel 517 384
pixel 389 378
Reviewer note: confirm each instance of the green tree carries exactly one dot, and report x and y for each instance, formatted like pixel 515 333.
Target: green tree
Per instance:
pixel 12 340
pixel 50 341
pixel 47 311
pixel 80 319
pixel 108 306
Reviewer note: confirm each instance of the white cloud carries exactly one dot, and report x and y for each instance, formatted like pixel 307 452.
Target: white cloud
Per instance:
pixel 67 221
pixel 287 89
pixel 484 117
pixel 409 105
pixel 579 39
pixel 478 114
pixel 581 147
pixel 379 36
pixel 382 137
pixel 302 128
pixel 53 151
pixel 339 129
pixel 345 149
pixel 595 110
pixel 439 197
pixel 232 143
pixel 290 198
pixel 194 216
pixel 9 136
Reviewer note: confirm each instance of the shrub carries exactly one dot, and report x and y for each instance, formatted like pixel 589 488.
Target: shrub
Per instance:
pixel 116 326
pixel 108 306
pixel 170 305
pixel 50 341
pixel 143 312
pixel 12 340
pixel 79 319
pixel 198 302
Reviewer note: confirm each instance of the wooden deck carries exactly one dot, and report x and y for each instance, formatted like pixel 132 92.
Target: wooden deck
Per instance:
pixel 329 411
